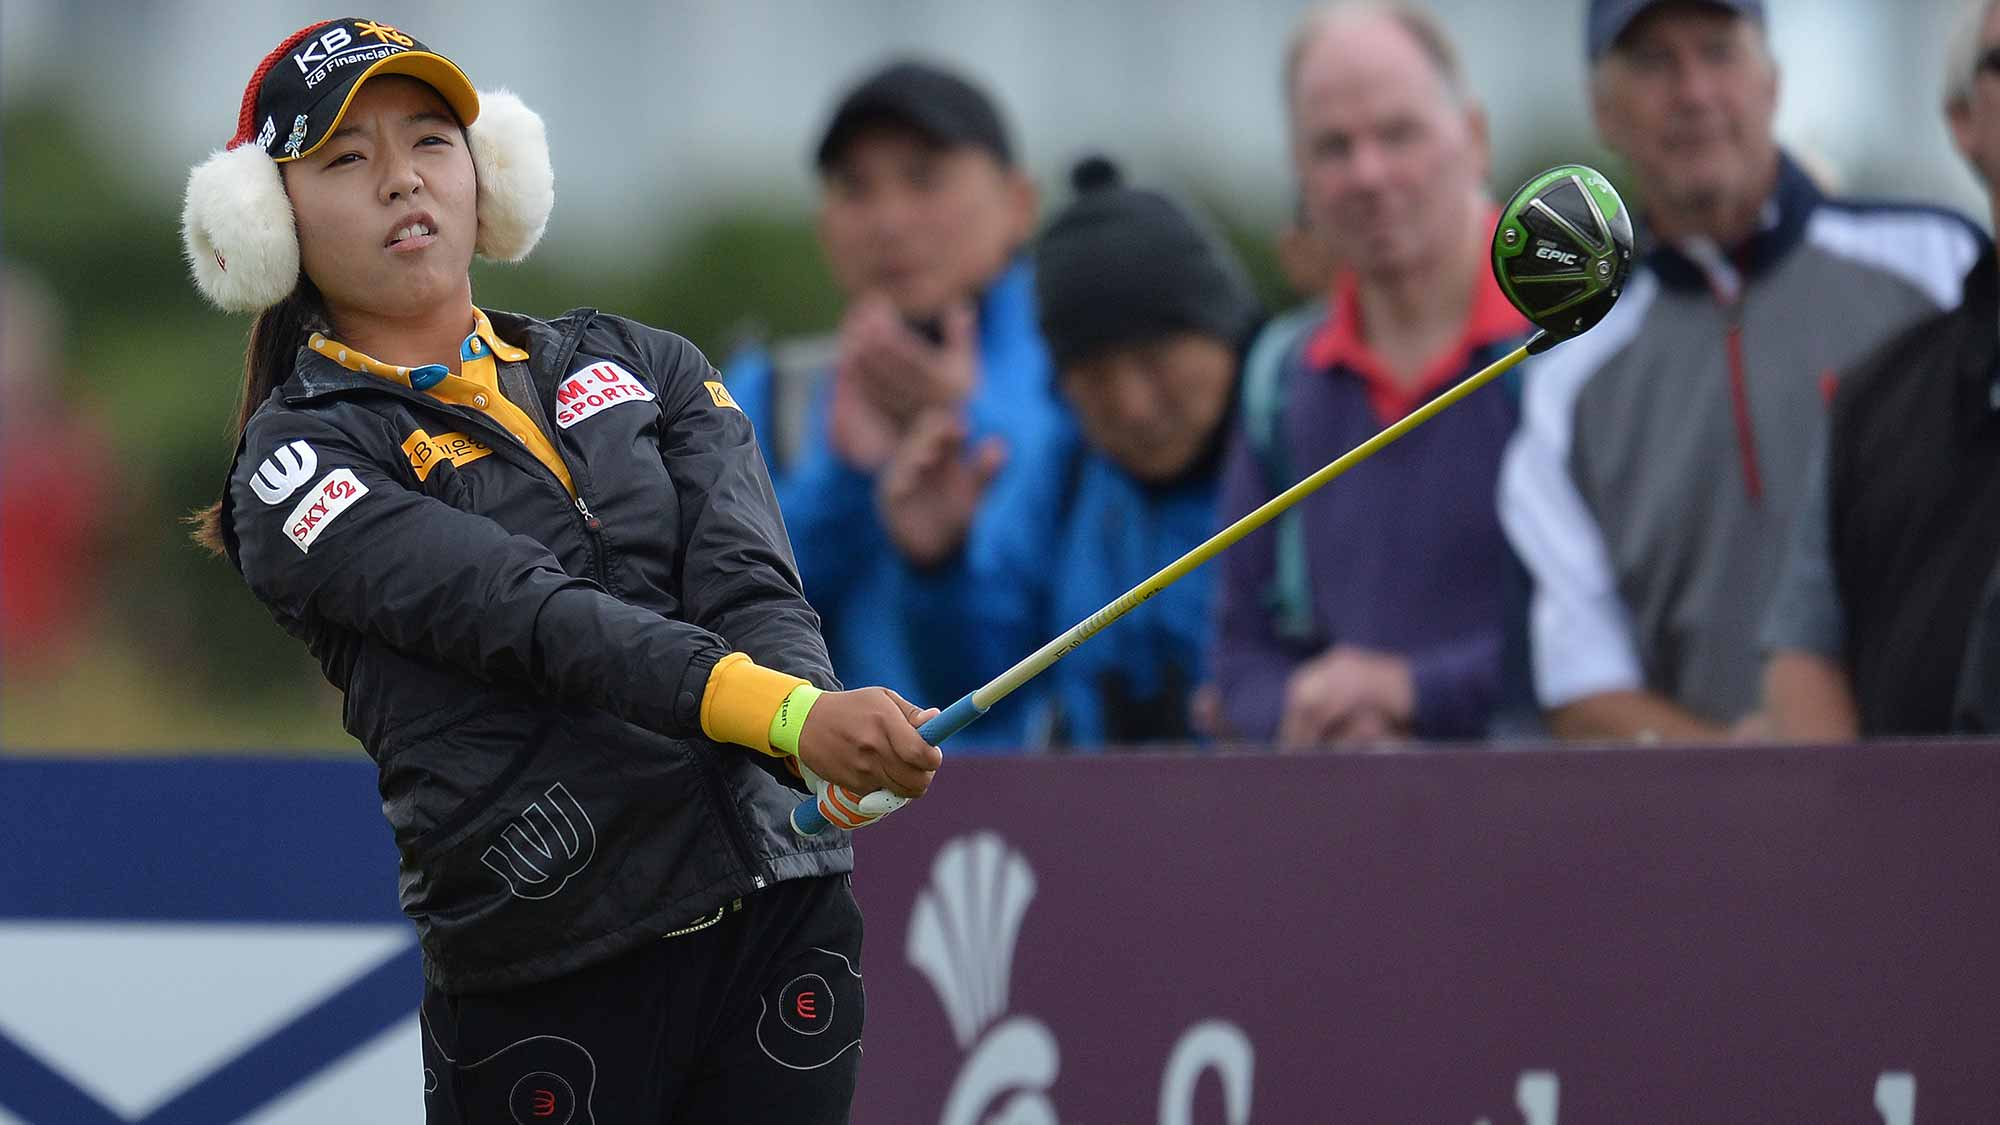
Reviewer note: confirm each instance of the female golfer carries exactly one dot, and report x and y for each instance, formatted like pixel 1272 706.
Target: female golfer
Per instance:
pixel 543 562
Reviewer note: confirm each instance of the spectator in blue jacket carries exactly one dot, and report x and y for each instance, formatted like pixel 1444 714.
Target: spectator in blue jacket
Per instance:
pixel 923 216
pixel 1145 315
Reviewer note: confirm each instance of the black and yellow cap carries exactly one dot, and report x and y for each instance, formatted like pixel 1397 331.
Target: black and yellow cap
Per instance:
pixel 299 92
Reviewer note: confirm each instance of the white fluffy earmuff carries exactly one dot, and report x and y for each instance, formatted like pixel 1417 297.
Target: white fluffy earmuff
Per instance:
pixel 237 229
pixel 517 184
pixel 243 245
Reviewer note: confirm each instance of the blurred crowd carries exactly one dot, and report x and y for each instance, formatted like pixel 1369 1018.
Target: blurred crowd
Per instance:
pixel 1756 502
pixel 1752 504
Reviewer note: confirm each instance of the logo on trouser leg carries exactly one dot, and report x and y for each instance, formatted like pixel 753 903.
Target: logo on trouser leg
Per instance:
pixel 542 847
pixel 806 1004
pixel 556 1080
pixel 542 1098
pixel 815 1017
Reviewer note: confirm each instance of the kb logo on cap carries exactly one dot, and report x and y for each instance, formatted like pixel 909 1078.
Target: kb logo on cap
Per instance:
pixel 325 47
pixel 338 38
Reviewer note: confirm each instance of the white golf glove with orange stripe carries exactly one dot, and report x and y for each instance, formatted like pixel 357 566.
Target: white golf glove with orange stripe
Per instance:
pixel 844 808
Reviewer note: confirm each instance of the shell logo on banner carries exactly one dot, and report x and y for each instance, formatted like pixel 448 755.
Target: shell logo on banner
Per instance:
pixel 963 932
pixel 962 936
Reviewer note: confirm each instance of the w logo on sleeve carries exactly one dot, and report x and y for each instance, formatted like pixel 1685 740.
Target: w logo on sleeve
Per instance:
pixel 284 471
pixel 542 847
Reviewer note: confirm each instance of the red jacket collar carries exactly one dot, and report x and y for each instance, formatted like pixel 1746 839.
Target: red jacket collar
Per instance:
pixel 1338 345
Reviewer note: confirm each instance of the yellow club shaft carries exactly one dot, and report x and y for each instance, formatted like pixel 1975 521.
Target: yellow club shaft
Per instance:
pixel 1004 684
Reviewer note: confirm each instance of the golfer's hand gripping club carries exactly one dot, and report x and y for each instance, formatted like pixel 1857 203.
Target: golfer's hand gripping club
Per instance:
pixel 1561 253
pixel 844 808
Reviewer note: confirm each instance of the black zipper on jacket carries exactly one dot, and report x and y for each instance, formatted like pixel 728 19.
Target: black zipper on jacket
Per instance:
pixel 579 476
pixel 593 528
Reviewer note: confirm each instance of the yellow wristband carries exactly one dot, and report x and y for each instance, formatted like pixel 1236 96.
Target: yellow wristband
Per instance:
pixel 740 701
pixel 790 721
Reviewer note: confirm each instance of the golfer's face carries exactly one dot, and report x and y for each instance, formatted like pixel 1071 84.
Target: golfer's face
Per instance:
pixel 1689 97
pixel 1386 155
pixel 397 166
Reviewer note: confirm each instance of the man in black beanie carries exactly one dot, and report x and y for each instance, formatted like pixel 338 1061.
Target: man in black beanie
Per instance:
pixel 1145 316
pixel 1130 291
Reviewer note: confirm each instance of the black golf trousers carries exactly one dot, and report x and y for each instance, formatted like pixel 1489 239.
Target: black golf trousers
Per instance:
pixel 755 1016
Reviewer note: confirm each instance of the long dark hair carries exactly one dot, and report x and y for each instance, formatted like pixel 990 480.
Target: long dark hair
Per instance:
pixel 267 361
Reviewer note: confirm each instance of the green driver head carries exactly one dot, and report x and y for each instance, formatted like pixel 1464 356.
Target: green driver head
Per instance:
pixel 1563 250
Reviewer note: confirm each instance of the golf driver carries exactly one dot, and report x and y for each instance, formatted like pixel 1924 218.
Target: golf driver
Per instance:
pixel 1561 253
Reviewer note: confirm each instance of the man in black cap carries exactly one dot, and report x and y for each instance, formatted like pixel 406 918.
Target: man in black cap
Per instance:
pixel 1663 457
pixel 923 214
pixel 1146 316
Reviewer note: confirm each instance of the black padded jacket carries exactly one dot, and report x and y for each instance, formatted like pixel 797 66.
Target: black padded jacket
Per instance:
pixel 526 668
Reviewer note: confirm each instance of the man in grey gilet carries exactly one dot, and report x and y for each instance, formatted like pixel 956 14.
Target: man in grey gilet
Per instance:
pixel 1661 456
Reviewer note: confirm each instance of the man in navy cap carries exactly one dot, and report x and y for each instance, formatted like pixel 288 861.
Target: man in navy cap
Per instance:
pixel 1686 90
pixel 1662 457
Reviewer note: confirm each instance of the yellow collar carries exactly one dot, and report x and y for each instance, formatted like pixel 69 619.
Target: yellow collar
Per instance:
pixel 480 343
pixel 483 328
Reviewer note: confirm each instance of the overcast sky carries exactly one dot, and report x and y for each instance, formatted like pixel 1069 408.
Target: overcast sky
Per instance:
pixel 658 110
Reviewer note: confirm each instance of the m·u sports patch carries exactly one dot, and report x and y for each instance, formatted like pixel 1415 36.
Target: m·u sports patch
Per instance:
pixel 600 386
pixel 335 493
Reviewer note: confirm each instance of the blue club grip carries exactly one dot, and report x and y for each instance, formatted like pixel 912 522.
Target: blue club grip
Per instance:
pixel 950 721
pixel 807 820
